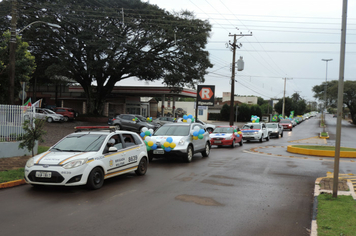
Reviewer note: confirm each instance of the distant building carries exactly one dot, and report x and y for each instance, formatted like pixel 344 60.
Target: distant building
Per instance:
pixel 247 100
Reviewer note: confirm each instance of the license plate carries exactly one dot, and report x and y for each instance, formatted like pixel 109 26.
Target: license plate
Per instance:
pixel 42 174
pixel 217 141
pixel 158 151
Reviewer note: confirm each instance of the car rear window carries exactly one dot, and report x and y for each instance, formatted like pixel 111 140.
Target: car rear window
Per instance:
pixel 285 121
pixel 272 125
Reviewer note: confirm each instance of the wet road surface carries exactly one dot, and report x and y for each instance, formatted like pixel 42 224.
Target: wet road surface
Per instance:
pixel 232 192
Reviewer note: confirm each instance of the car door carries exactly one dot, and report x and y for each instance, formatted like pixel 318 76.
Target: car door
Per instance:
pixel 115 162
pixel 128 122
pixel 131 149
pixel 199 143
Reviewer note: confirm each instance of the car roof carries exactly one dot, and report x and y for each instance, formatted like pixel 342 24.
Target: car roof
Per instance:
pixel 223 126
pixel 106 132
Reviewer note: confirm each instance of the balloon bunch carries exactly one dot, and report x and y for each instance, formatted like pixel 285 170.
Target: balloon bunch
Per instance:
pixel 149 119
pixel 150 143
pixel 134 119
pixel 197 133
pixel 237 133
pixel 146 132
pixel 188 118
pixel 167 144
pixel 255 119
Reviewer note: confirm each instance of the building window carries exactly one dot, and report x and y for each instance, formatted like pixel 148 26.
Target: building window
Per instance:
pixel 201 111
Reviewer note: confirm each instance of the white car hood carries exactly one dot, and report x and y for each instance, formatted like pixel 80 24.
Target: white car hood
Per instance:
pixel 60 158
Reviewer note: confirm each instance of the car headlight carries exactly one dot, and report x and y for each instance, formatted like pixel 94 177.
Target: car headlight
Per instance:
pixel 228 138
pixel 30 162
pixel 181 142
pixel 75 163
pixel 255 132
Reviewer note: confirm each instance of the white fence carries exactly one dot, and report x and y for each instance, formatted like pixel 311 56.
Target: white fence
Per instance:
pixel 12 118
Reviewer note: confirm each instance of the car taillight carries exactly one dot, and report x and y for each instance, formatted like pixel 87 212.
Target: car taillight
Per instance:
pixel 289 125
pixel 113 119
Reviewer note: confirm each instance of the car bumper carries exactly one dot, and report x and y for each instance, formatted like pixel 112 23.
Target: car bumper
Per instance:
pixel 59 175
pixel 251 137
pixel 274 134
pixel 221 142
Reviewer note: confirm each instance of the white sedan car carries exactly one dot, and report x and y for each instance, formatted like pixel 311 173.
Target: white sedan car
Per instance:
pixel 87 158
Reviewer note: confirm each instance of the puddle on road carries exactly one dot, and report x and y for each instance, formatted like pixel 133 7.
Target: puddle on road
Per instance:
pixel 213 182
pixel 205 201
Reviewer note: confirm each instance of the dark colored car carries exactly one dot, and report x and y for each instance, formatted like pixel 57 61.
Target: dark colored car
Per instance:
pixel 287 124
pixel 67 113
pixel 132 122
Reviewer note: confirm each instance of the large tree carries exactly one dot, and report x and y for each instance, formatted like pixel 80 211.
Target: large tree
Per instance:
pixel 349 98
pixel 104 42
pixel 24 66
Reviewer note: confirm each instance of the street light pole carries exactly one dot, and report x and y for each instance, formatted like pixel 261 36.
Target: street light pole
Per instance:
pixel 325 88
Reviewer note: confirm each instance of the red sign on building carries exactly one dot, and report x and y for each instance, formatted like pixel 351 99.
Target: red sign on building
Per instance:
pixel 205 95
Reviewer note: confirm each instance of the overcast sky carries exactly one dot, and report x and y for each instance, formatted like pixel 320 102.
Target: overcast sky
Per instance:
pixel 289 40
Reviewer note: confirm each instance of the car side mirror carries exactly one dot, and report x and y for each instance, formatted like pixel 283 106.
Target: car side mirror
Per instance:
pixel 112 149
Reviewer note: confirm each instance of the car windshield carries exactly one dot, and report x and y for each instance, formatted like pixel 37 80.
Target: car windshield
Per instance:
pixel 141 118
pixel 254 126
pixel 228 130
pixel 80 143
pixel 49 111
pixel 285 121
pixel 272 126
pixel 174 130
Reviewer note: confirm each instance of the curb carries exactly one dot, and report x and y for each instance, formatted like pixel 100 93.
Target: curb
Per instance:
pixel 12 183
pixel 322 153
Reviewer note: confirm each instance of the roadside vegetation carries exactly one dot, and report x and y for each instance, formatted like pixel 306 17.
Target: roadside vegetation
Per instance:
pixel 10 175
pixel 336 216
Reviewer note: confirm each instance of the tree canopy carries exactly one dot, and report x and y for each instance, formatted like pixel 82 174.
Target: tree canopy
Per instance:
pixel 104 42
pixel 349 98
pixel 24 66
pixel 295 103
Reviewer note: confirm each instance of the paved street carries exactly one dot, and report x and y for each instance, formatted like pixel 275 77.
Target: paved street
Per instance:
pixel 233 192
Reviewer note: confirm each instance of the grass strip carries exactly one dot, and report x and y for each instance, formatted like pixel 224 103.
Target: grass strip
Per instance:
pixel 336 216
pixel 324 148
pixel 10 175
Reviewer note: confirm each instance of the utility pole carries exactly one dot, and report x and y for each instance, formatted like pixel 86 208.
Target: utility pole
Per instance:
pixel 232 95
pixel 12 53
pixel 284 96
pixel 340 98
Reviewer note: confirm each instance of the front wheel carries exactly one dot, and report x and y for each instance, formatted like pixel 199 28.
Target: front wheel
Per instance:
pixel 49 120
pixel 206 151
pixel 65 118
pixel 118 127
pixel 241 142
pixel 261 139
pixel 267 138
pixel 142 167
pixel 96 178
pixel 282 135
pixel 189 155
pixel 233 143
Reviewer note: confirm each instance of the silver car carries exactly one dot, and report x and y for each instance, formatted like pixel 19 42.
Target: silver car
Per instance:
pixel 45 114
pixel 184 139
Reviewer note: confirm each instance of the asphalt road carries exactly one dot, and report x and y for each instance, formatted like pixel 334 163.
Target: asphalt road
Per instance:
pixel 230 193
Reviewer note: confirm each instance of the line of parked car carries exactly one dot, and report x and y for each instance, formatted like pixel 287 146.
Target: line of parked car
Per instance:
pixel 58 114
